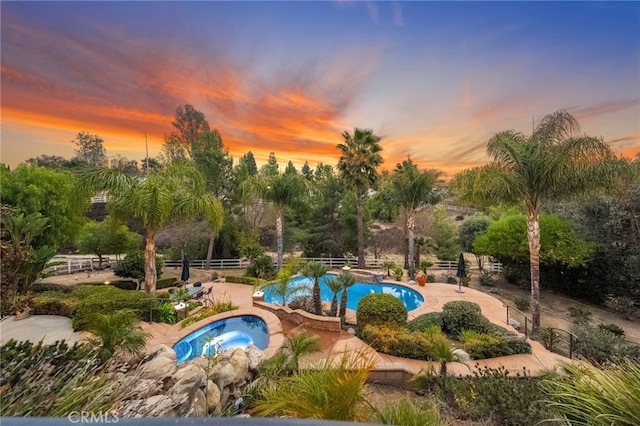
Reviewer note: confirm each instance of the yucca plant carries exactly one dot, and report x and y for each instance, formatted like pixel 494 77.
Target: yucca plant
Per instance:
pixel 330 391
pixel 117 331
pixel 588 395
pixel 406 412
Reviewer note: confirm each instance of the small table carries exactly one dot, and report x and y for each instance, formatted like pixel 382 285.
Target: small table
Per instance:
pixel 195 292
pixel 180 306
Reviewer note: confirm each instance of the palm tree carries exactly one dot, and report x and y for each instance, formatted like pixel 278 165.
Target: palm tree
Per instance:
pixel 283 191
pixel 359 160
pixel 412 189
pixel 553 163
pixel 346 280
pixel 282 286
pixel 177 191
pixel 316 270
pixel 117 331
pixel 335 285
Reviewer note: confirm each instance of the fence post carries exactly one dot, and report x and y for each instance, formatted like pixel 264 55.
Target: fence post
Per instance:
pixel 508 314
pixel 526 327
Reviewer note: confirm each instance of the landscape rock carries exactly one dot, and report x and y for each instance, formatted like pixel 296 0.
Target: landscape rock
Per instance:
pixel 240 364
pixel 161 350
pixel 213 397
pixel 462 355
pixel 255 357
pixel 222 374
pixel 157 368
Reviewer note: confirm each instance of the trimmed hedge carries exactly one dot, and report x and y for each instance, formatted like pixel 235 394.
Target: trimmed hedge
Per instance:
pixel 108 299
pixel 54 303
pixel 166 283
pixel 425 321
pixel 244 280
pixel 402 342
pixel 461 315
pixel 380 308
pixel 61 288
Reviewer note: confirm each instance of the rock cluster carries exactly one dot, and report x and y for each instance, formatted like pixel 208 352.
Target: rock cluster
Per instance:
pixel 160 387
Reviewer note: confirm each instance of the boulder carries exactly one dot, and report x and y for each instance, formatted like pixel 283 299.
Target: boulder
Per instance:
pixel 155 406
pixel 213 397
pixel 191 374
pixel 161 350
pixel 222 374
pixel 462 355
pixel 157 368
pixel 240 364
pixel 146 387
pixel 255 357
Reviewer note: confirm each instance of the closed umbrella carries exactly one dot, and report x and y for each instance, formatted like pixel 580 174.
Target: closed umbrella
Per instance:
pixel 462 273
pixel 185 270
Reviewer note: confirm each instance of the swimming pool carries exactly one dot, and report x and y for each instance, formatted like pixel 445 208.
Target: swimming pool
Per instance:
pixel 411 298
pixel 235 332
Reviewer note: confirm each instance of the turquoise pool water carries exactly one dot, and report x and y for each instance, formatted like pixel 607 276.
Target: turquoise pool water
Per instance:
pixel 235 332
pixel 411 298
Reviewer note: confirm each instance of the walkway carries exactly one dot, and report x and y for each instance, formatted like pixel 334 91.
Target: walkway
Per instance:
pixel 48 328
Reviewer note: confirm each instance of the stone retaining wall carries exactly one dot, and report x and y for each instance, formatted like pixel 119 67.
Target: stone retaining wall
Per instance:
pixel 300 317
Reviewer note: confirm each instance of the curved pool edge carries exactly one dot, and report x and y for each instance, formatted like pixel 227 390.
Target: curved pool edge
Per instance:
pixel 275 331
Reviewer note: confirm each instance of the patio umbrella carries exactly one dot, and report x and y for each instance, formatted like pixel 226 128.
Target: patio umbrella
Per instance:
pixel 185 269
pixel 462 273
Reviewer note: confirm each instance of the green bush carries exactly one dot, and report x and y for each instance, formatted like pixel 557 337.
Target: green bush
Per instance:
pixel 486 279
pixel 579 314
pixel 431 278
pixel 461 315
pixel 613 328
pixel 381 308
pixel 132 266
pixel 483 345
pixel 425 321
pixel 504 399
pixel 166 283
pixel 168 313
pixel 629 352
pixel 522 302
pixel 548 337
pixel 215 309
pixel 54 303
pixel 108 299
pixel 595 344
pixel 42 287
pixel 244 280
pixel 400 341
pixel 452 280
pixel 622 305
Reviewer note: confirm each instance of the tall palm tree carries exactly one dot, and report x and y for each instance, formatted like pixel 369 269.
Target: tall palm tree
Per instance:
pixel 335 285
pixel 316 270
pixel 413 188
pixel 347 279
pixel 555 162
pixel 358 166
pixel 177 191
pixel 283 191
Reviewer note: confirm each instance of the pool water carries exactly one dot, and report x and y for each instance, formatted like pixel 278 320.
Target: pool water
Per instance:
pixel 411 298
pixel 235 332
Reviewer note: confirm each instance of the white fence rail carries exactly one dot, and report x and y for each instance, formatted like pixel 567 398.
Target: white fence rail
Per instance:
pixel 69 265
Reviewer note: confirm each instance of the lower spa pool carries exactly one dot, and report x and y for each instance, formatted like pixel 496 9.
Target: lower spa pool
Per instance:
pixel 235 332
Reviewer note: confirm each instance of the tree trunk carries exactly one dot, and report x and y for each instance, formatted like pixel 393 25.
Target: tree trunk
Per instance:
pixel 533 236
pixel 150 273
pixel 279 236
pixel 334 305
pixel 317 302
pixel 212 241
pixel 405 249
pixel 100 262
pixel 343 303
pixel 360 220
pixel 412 247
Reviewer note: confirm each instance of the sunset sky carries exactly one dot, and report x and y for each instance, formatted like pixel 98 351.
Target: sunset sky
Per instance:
pixel 435 79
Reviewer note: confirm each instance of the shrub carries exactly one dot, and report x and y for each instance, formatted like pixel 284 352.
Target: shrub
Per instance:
pixel 400 341
pixel 398 273
pixel 486 279
pixel 303 302
pixel 42 287
pixel 494 394
pixel 425 321
pixel 108 299
pixel 215 309
pixel 244 280
pixel 452 280
pixel 595 344
pixel 522 302
pixel 381 308
pixel 548 337
pixel 613 328
pixel 628 352
pixel 579 314
pixel 461 315
pixel 622 305
pixel 481 345
pixel 407 412
pixel 431 278
pixel 132 266
pixel 166 283
pixel 168 313
pixel 54 303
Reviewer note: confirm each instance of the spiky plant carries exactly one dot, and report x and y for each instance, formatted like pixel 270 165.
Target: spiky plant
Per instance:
pixel 408 413
pixel 335 285
pixel 118 331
